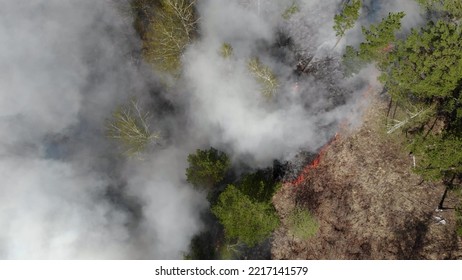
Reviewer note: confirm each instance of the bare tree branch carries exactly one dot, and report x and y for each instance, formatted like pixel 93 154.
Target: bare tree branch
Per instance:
pixel 129 126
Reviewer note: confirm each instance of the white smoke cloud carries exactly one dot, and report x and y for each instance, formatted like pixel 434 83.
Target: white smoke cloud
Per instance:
pixel 225 100
pixel 54 210
pixel 170 207
pixel 65 66
pixel 311 28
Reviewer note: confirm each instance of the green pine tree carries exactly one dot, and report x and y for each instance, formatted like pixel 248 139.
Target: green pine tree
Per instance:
pixel 207 167
pixel 380 39
pixel 428 63
pixel 347 18
pixel 438 156
pixel 259 186
pixel 377 47
pixel 446 8
pixel 427 72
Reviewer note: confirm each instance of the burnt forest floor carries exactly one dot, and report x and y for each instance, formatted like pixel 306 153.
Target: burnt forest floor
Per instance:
pixel 368 202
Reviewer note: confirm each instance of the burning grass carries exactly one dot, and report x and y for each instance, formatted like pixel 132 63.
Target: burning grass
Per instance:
pixel 367 202
pixel 307 170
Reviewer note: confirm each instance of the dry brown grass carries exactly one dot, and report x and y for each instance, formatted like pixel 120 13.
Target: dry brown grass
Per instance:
pixel 368 202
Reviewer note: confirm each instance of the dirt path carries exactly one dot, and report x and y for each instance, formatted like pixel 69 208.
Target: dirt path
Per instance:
pixel 368 203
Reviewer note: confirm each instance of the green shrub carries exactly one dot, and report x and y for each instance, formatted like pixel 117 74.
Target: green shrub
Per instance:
pixel 302 224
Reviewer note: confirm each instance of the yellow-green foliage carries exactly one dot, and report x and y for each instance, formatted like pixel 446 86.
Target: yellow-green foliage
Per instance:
pixel 244 220
pixel 226 50
pixel 379 42
pixel 264 76
pixel 207 167
pixel 347 18
pixel 302 224
pixel 169 32
pixel 290 11
pixel 129 127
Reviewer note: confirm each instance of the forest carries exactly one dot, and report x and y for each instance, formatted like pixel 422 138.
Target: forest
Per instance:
pixel 237 129
pixel 419 69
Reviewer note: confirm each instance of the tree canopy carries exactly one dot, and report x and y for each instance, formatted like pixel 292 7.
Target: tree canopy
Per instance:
pixel 259 186
pixel 379 40
pixel 428 64
pixel 169 32
pixel 427 69
pixel 264 76
pixel 207 167
pixel 129 126
pixel 347 17
pixel 243 219
pixel 423 73
pixel 290 11
pixel 446 8
pixel 440 156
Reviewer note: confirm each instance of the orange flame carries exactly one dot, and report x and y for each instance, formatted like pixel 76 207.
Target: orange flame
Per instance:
pixel 304 175
pixel 314 164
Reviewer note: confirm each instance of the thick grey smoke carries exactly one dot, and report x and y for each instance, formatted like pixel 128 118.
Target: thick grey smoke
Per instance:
pixel 225 100
pixel 65 193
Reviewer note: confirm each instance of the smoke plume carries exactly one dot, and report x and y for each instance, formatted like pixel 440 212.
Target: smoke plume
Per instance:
pixel 66 192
